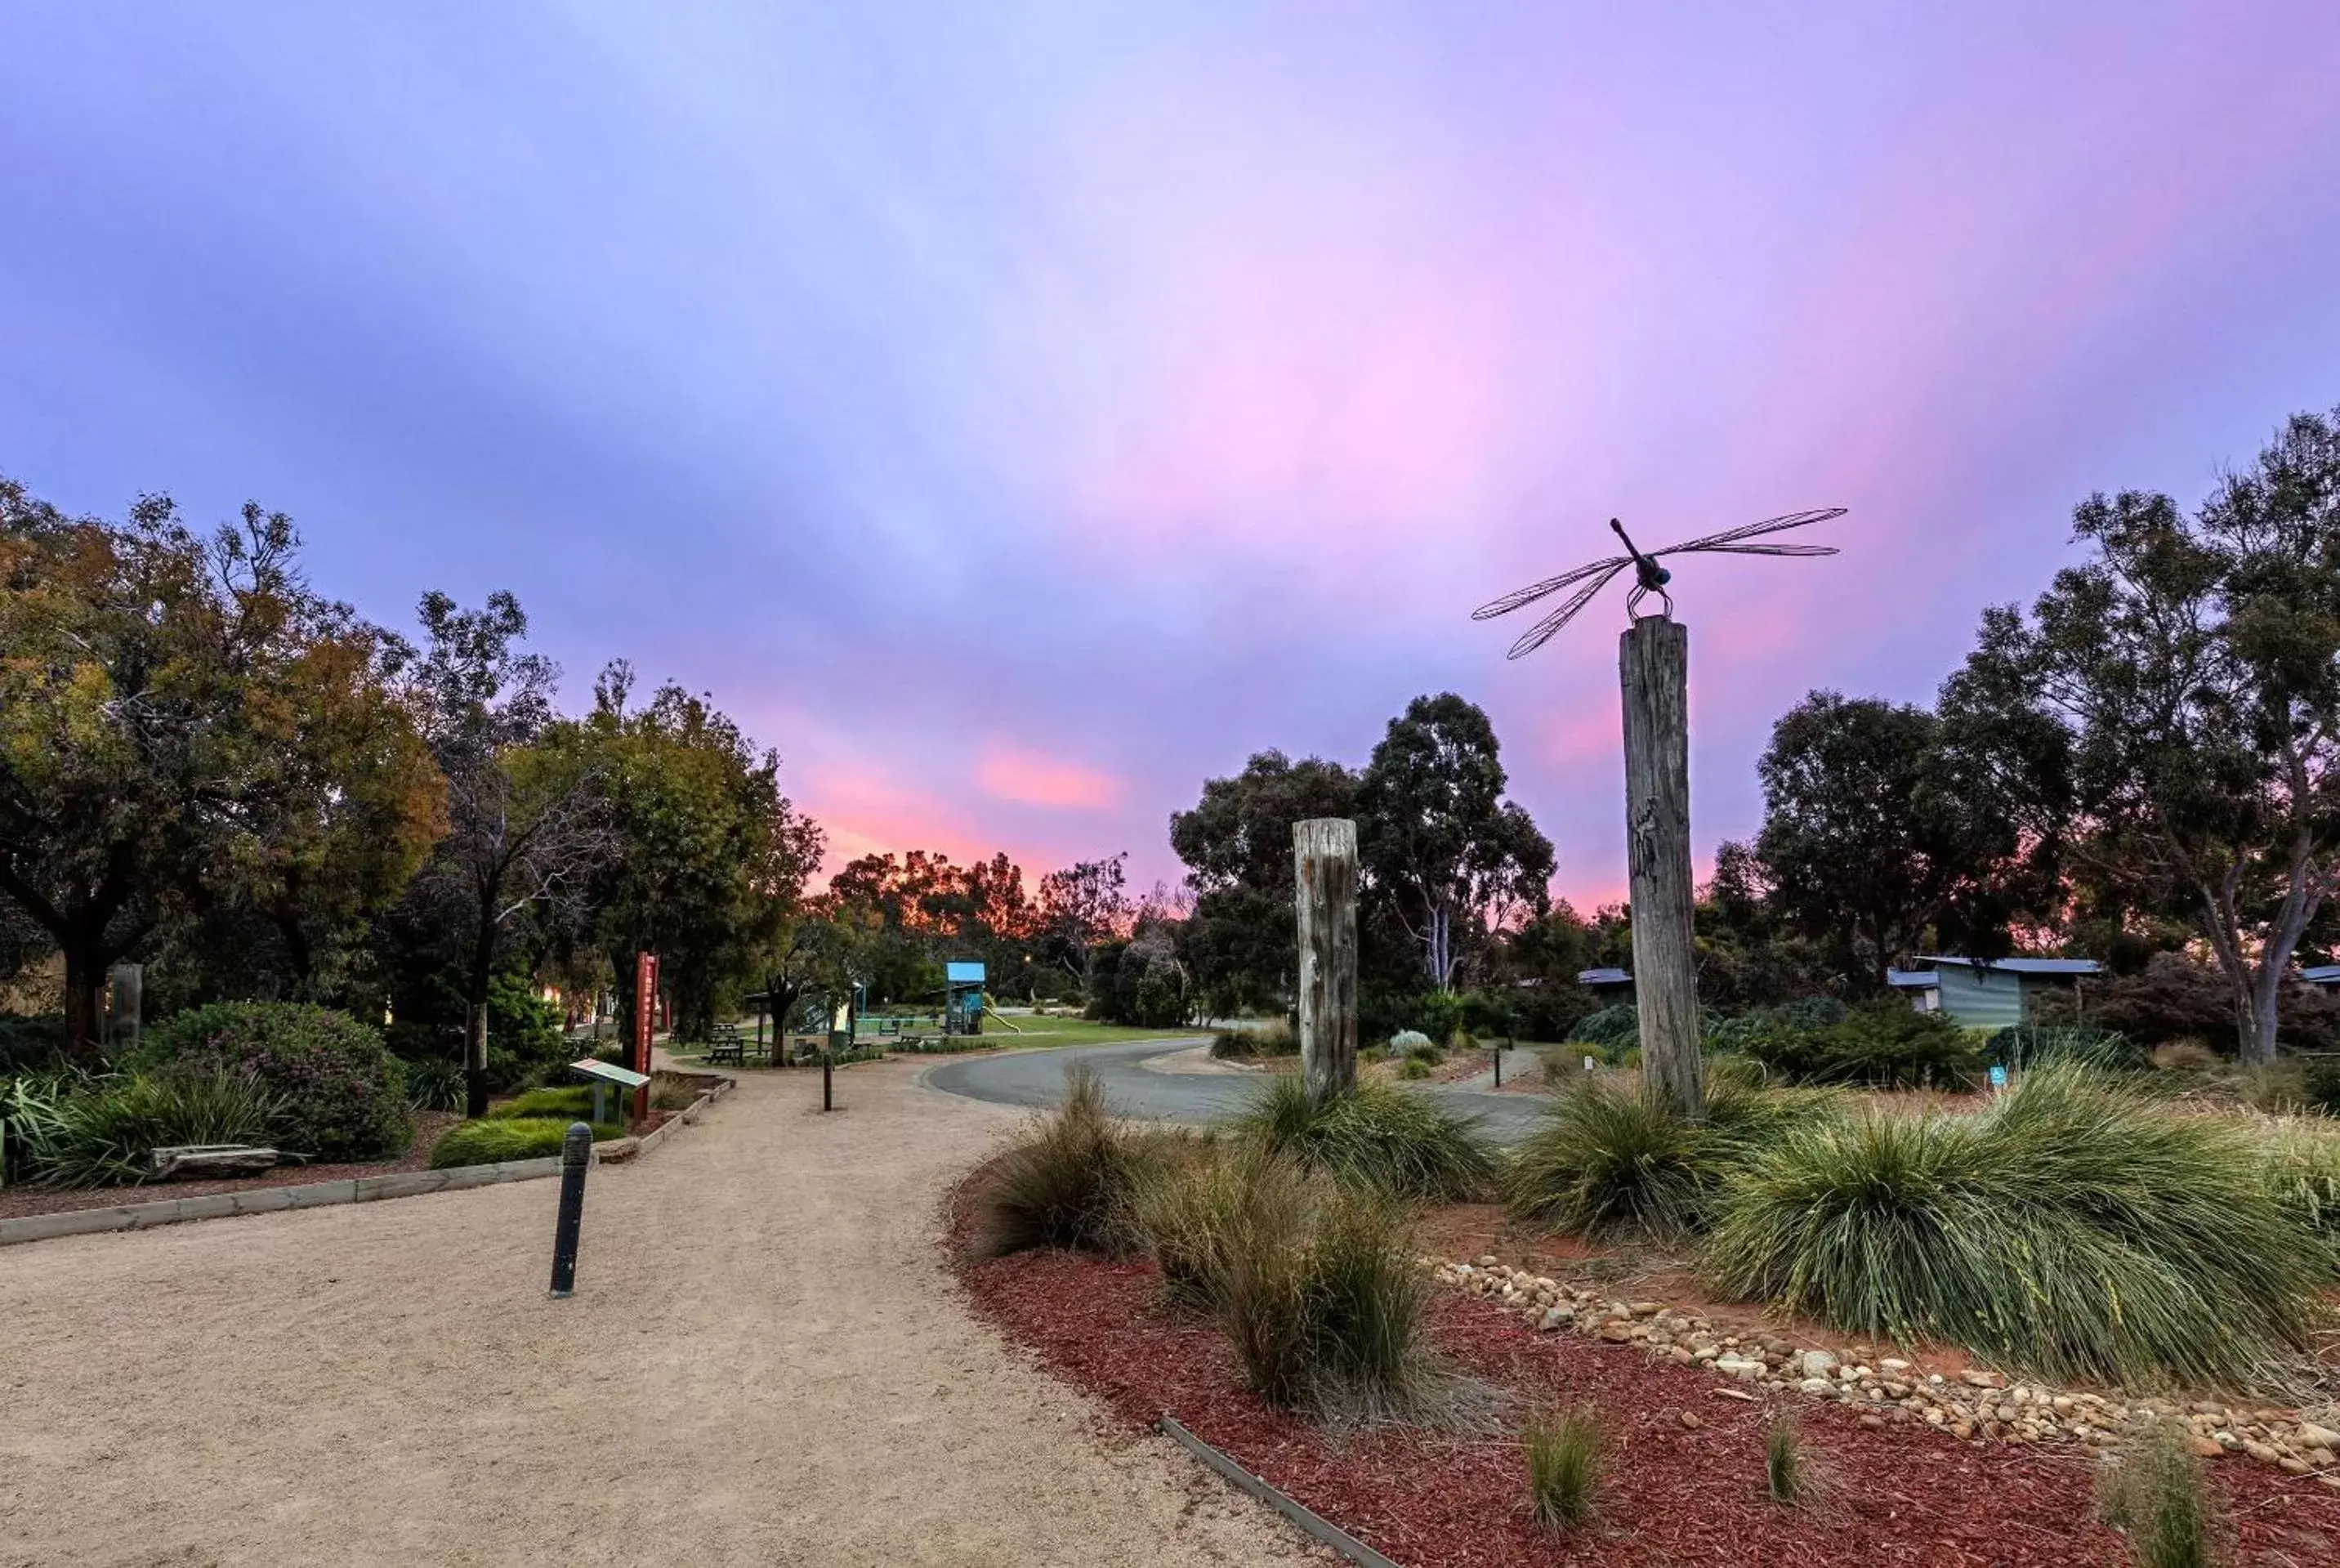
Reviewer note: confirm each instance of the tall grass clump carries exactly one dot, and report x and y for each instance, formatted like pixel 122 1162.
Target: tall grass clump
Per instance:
pixel 1786 1474
pixel 1607 1162
pixel 1565 1453
pixel 2156 1494
pixel 1067 1182
pixel 103 1133
pixel 2019 1047
pixel 2302 1171
pixel 1376 1136
pixel 1315 1286
pixel 2075 1230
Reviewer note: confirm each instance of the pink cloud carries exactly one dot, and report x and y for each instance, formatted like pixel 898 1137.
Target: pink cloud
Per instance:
pixel 1029 779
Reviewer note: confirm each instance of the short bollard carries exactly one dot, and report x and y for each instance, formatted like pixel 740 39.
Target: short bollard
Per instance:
pixel 576 1154
pixel 1499 1065
pixel 826 1058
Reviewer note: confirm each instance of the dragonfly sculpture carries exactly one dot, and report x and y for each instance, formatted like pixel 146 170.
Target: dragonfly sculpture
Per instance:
pixel 1649 577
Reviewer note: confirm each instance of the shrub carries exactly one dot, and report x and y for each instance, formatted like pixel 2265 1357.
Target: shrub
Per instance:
pixel 1192 1216
pixel 2188 1055
pixel 1068 1181
pixel 33 1045
pixel 434 1085
pixel 1804 1016
pixel 1612 1028
pixel 567 1104
pixel 2176 999
pixel 1406 1041
pixel 103 1132
pixel 2021 1047
pixel 2154 1493
pixel 1273 1038
pixel 1375 1136
pixel 1317 1289
pixel 675 1091
pixel 1887 1045
pixel 492 1141
pixel 1415 1068
pixel 343 1095
pixel 1607 1162
pixel 2074 1230
pixel 1565 1455
pixel 2302 1171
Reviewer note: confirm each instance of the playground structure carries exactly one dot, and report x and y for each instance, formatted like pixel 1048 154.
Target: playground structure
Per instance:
pixel 963 997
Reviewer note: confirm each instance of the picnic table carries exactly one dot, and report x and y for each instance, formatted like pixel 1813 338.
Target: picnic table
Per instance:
pixel 723 1045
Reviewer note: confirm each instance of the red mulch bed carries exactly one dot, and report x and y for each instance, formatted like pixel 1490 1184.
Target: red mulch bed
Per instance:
pixel 1901 1494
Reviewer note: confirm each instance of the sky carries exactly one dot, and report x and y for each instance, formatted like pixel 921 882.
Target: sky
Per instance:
pixel 1015 414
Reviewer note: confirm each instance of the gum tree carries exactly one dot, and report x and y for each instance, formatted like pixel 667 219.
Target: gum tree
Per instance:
pixel 2170 708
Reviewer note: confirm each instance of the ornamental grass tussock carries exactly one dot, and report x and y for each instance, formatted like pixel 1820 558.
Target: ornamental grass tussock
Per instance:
pixel 1607 1162
pixel 1566 1453
pixel 1068 1180
pixel 1376 1136
pixel 2154 1492
pixel 2075 1230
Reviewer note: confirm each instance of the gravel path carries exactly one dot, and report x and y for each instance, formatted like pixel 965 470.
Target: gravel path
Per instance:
pixel 765 1363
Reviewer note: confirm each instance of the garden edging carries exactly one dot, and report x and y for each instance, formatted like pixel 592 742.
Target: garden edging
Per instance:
pixel 322 1195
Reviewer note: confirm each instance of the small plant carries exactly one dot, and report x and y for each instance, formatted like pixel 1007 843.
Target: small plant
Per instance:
pixel 1407 1041
pixel 1786 1477
pixel 1414 1068
pixel 1565 1453
pixel 1612 1028
pixel 2303 1174
pixel 1068 1181
pixel 1374 1135
pixel 2021 1047
pixel 2186 1055
pixel 674 1091
pixel 434 1083
pixel 490 1141
pixel 2154 1493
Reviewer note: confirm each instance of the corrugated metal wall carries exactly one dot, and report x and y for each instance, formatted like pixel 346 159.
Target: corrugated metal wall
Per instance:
pixel 1981 999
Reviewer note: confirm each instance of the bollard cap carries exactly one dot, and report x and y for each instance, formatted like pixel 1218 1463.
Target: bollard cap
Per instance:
pixel 577 1146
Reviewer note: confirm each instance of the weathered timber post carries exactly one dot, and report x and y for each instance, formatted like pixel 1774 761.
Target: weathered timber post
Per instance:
pixel 1653 664
pixel 1324 859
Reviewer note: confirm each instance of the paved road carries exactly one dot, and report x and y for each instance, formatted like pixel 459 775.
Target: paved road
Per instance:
pixel 1037 1078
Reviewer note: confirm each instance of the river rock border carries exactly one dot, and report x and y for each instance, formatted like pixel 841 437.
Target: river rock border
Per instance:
pixel 1978 1405
pixel 325 1194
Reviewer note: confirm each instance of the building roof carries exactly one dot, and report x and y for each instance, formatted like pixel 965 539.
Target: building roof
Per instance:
pixel 1604 977
pixel 2321 974
pixel 2021 966
pixel 1913 980
pixel 960 974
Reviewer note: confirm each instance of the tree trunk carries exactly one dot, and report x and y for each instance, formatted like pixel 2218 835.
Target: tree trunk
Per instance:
pixel 475 1018
pixel 1324 859
pixel 83 1004
pixel 1655 670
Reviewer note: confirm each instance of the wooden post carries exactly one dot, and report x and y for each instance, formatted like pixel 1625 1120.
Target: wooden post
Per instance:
pixel 1324 858
pixel 1653 662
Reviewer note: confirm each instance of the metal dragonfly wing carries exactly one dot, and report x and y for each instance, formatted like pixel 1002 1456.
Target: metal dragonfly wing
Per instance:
pixel 1649 576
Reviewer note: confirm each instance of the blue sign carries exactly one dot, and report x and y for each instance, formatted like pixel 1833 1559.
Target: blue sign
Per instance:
pixel 1997 1076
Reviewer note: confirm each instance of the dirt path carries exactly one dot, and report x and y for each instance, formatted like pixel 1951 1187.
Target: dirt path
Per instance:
pixel 763 1364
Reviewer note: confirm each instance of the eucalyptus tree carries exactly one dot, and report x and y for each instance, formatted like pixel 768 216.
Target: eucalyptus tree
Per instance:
pixel 2170 708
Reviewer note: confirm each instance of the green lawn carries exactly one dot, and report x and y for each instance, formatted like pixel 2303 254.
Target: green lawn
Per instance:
pixel 1044 1032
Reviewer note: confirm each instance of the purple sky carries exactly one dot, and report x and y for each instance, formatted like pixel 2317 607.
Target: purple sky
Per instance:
pixel 1016 413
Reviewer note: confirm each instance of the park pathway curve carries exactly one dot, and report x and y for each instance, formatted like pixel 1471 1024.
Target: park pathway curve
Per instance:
pixel 764 1364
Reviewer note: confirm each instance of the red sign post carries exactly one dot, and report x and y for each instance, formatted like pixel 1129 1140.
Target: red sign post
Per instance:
pixel 646 969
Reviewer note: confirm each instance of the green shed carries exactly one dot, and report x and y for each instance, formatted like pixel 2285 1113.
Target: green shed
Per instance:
pixel 1992 993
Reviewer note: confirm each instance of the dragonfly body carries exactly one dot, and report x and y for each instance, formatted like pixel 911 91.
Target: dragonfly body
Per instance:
pixel 1649 576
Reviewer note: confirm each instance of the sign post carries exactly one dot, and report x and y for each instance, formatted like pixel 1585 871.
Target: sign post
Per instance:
pixel 646 971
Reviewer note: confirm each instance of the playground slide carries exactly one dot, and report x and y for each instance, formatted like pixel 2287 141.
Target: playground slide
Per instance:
pixel 1011 1029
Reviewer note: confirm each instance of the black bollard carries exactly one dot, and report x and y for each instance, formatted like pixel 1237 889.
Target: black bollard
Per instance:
pixel 826 1058
pixel 1499 1065
pixel 576 1154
